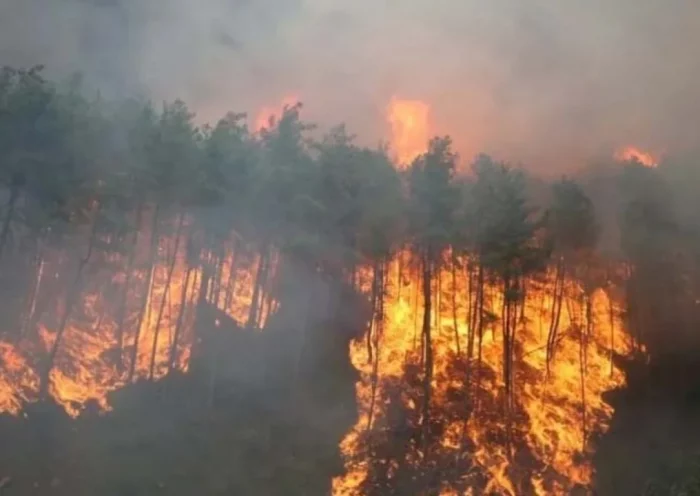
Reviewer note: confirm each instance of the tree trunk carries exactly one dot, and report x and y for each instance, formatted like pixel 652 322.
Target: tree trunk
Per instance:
pixel 583 361
pixel 427 340
pixel 12 202
pixel 121 312
pixel 232 275
pixel 253 311
pixel 479 324
pixel 454 301
pixel 372 323
pixel 415 314
pixel 378 318
pixel 611 317
pixel 173 262
pixel 172 359
pixel 71 298
pixel 28 320
pixel 147 294
pixel 559 283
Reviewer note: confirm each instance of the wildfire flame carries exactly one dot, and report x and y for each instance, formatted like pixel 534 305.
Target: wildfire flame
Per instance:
pixel 561 410
pixel 85 368
pixel 266 113
pixel 632 153
pixel 409 123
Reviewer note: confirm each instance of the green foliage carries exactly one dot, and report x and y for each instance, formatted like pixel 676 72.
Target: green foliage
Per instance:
pixel 433 198
pixel 503 225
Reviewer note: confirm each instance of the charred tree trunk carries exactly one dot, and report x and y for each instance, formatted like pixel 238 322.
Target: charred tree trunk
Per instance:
pixel 558 297
pixel 172 359
pixel 479 324
pixel 71 298
pixel 232 275
pixel 30 308
pixel 611 317
pixel 121 312
pixel 372 324
pixel 427 340
pixel 146 297
pixel 11 204
pixel 265 294
pixel 166 289
pixel 253 311
pixel 583 361
pixel 378 318
pixel 454 301
pixel 415 318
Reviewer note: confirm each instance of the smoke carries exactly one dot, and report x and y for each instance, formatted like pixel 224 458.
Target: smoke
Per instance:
pixel 546 83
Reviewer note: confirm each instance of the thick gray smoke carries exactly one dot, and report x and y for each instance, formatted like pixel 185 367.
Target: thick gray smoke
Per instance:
pixel 548 83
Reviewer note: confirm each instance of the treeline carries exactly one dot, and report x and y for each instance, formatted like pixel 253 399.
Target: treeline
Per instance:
pixel 85 180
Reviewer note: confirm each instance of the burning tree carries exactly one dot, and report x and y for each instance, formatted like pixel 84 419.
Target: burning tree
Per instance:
pixel 232 286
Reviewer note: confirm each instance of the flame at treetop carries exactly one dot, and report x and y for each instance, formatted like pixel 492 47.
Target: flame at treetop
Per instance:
pixel 263 116
pixel 409 123
pixel 632 153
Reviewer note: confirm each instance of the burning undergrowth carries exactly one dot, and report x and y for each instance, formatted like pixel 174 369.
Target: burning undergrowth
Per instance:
pixel 471 442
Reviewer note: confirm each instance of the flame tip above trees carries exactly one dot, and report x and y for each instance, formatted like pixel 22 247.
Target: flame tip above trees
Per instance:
pixel 409 127
pixel 269 113
pixel 634 154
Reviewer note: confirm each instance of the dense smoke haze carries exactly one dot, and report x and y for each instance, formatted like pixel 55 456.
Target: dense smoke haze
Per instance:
pixel 548 84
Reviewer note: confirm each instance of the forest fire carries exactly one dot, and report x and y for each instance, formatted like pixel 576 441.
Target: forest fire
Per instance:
pixel 558 413
pixel 87 367
pixel 338 322
pixel 409 123
pixel 632 153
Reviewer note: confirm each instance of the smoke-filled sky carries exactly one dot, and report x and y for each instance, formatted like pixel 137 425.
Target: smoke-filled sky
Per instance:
pixel 542 82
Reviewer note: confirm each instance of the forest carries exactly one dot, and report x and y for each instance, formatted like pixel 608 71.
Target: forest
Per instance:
pixel 226 309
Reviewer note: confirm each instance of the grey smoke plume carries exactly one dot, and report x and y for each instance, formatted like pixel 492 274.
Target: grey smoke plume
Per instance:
pixel 547 83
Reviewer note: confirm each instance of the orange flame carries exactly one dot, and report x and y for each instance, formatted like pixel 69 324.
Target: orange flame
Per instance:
pixel 634 154
pixel 409 122
pixel 267 113
pixel 561 412
pixel 85 368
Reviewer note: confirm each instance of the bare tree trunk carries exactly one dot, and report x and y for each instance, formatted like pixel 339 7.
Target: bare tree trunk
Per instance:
pixel 173 262
pixel 121 312
pixel 583 361
pixel 415 315
pixel 253 311
pixel 559 283
pixel 428 378
pixel 147 295
pixel 265 294
pixel 378 318
pixel 232 275
pixel 11 204
pixel 28 320
pixel 479 324
pixel 611 317
pixel 172 360
pixel 71 298
pixel 454 301
pixel 372 323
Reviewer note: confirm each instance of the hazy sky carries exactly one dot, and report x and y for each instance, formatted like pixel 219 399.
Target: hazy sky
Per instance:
pixel 544 82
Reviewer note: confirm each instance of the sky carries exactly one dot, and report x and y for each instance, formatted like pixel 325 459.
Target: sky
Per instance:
pixel 543 83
